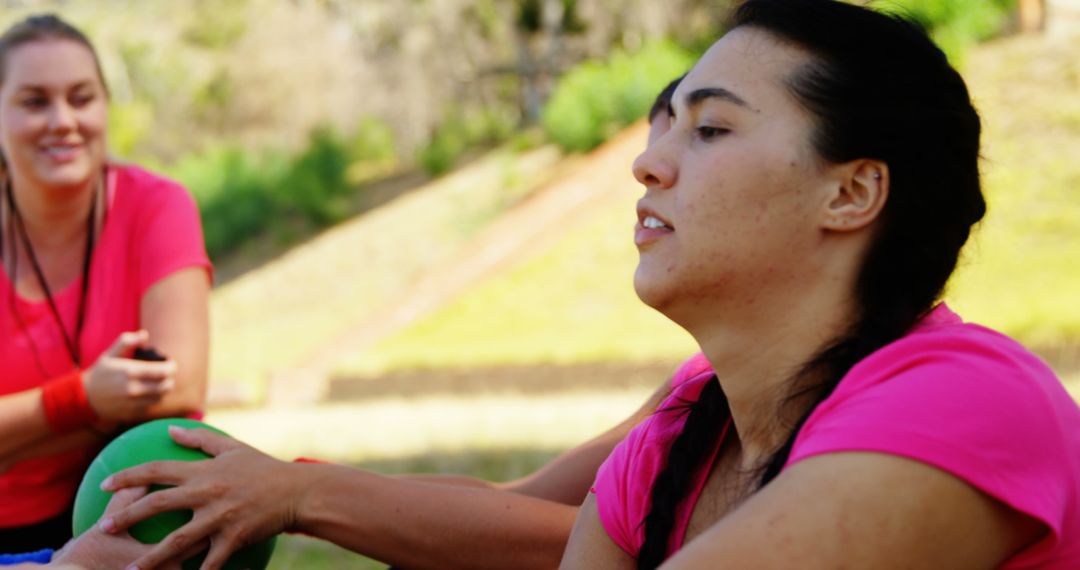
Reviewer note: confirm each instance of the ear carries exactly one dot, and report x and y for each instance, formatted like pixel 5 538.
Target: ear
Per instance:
pixel 858 197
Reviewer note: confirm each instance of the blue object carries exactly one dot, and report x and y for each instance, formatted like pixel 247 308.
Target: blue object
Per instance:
pixel 42 556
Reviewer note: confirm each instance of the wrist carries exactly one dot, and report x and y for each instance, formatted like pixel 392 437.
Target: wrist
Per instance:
pixel 313 482
pixel 66 404
pixel 300 474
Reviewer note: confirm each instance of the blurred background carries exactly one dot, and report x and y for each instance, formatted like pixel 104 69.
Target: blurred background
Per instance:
pixel 420 212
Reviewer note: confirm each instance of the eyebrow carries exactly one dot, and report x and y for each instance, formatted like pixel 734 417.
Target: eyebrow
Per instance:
pixel 697 96
pixel 40 87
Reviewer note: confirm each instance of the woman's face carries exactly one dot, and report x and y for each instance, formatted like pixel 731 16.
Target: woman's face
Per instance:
pixel 734 188
pixel 53 114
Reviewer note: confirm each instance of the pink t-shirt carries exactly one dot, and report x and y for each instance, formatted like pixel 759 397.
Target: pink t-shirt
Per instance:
pixel 956 396
pixel 151 230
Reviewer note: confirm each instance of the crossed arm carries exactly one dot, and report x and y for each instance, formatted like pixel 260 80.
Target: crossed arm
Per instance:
pixel 850 510
pixel 174 312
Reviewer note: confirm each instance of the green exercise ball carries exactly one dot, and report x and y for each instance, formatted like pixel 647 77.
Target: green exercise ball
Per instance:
pixel 142 444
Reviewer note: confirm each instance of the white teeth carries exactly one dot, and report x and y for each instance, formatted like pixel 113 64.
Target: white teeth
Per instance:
pixel 652 223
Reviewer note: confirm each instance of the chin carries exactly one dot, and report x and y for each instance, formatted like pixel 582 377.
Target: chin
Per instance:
pixel 652 291
pixel 71 176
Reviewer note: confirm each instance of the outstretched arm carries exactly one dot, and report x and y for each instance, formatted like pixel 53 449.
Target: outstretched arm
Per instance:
pixel 567 478
pixel 242 496
pixel 415 521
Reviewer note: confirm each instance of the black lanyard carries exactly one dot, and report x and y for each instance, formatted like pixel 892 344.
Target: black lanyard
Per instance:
pixel 71 342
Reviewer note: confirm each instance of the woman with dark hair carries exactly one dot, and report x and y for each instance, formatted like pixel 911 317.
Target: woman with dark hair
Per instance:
pixel 98 259
pixel 802 215
pixel 801 218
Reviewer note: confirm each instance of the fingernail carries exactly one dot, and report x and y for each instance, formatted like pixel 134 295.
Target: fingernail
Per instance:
pixel 107 524
pixel 133 567
pixel 177 430
pixel 106 485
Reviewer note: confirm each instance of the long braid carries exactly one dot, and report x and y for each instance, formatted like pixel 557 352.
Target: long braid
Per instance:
pixel 705 420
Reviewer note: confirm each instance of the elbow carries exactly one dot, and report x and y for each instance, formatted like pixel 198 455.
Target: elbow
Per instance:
pixel 179 404
pixel 189 404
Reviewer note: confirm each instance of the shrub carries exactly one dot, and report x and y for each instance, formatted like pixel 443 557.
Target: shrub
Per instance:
pixel 956 25
pixel 373 142
pixel 461 131
pixel 242 194
pixel 316 185
pixel 235 193
pixel 594 100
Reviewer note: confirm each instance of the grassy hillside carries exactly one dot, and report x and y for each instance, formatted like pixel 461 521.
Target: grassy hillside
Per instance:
pixel 575 303
pixel 274 317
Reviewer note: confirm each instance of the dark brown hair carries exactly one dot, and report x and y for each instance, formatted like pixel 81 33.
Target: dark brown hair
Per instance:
pixel 877 88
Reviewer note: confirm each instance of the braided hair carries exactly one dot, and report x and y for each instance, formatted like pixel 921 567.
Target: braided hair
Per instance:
pixel 877 88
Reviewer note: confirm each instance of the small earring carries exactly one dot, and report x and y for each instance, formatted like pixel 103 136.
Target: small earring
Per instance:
pixel 877 175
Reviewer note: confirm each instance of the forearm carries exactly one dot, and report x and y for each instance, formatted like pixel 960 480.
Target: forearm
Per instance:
pixel 459 481
pixel 50 444
pixel 417 524
pixel 175 311
pixel 22 422
pixel 188 397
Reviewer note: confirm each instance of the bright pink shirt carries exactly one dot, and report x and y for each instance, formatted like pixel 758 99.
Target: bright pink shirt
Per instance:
pixel 151 230
pixel 959 397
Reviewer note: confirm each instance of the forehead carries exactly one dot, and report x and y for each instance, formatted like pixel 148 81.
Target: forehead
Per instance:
pixel 753 64
pixel 49 63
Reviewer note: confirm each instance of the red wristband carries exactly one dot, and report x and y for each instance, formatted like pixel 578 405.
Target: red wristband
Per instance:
pixel 308 460
pixel 66 405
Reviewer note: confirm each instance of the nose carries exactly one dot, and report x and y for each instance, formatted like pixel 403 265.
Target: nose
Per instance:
pixel 61 117
pixel 654 169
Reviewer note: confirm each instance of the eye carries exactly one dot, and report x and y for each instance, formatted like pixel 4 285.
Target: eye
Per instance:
pixel 35 102
pixel 709 133
pixel 81 99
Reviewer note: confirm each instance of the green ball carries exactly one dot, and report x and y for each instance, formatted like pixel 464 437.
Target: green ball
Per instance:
pixel 142 444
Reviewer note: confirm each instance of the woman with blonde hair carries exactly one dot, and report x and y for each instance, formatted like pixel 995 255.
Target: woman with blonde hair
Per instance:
pixel 99 259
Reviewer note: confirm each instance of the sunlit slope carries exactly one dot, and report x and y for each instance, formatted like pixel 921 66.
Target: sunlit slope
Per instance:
pixel 276 316
pixel 1021 273
pixel 572 303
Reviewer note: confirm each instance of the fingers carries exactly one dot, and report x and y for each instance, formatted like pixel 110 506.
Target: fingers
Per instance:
pixel 178 545
pixel 151 390
pixel 123 499
pixel 209 441
pixel 149 505
pixel 160 472
pixel 220 551
pixel 147 370
pixel 126 343
pixel 195 549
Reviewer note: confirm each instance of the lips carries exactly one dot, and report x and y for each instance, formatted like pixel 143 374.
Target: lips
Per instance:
pixel 651 226
pixel 62 152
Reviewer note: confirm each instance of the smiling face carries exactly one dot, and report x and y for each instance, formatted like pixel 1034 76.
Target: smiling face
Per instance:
pixel 53 114
pixel 734 190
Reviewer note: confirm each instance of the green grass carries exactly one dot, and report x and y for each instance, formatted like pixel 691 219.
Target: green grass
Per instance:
pixel 574 303
pixel 274 317
pixel 1019 274
pixel 401 429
